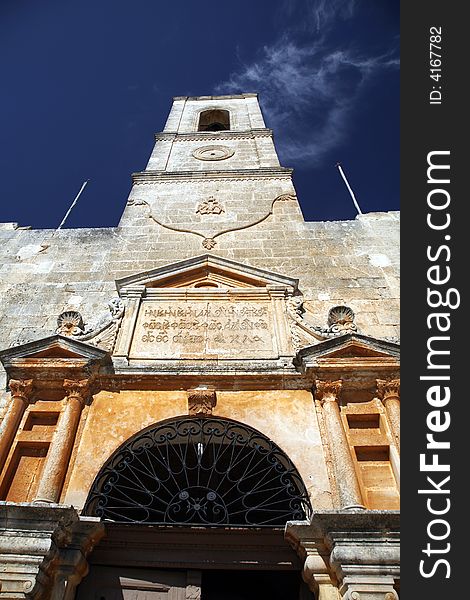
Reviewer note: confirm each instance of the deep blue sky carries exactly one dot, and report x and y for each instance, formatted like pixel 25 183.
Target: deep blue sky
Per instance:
pixel 86 84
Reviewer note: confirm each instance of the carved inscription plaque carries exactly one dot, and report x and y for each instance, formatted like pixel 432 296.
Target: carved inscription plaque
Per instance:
pixel 192 329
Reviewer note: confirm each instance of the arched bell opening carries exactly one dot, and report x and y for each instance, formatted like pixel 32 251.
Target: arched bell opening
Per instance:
pixel 214 120
pixel 199 471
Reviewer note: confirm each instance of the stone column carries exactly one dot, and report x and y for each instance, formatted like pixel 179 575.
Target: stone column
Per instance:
pixel 389 392
pixel 346 480
pixel 20 395
pixel 309 545
pixel 57 459
pixel 316 574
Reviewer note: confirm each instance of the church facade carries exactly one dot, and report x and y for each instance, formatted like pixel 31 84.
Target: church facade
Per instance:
pixel 203 402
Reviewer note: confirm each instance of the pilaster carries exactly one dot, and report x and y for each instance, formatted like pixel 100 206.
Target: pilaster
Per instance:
pixel 388 390
pixel 327 392
pixel 21 390
pixel 55 467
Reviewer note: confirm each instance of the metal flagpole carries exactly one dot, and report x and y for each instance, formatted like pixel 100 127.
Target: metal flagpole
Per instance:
pixel 340 169
pixel 73 204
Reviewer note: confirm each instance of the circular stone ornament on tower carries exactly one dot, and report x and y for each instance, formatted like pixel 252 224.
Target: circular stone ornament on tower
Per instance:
pixel 213 153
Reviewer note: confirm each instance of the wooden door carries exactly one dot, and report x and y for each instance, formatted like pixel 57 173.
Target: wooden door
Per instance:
pixel 120 583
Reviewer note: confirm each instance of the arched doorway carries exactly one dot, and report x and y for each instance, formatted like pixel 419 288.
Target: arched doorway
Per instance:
pixel 186 503
pixel 199 471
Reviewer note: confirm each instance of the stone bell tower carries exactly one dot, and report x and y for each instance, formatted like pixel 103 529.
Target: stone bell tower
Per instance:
pixel 214 169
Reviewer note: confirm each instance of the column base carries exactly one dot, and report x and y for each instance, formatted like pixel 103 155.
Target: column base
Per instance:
pixel 368 588
pixel 43 549
pixel 353 553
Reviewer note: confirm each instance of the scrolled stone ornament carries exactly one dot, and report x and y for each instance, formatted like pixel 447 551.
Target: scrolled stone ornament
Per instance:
pixel 341 320
pixel 70 323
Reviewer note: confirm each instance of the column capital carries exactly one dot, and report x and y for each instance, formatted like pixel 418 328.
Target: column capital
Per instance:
pixel 388 388
pixel 79 389
pixel 21 388
pixel 328 391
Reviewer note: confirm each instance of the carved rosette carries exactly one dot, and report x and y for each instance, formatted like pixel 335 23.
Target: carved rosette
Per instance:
pixel 215 152
pixel 340 321
pixel 201 401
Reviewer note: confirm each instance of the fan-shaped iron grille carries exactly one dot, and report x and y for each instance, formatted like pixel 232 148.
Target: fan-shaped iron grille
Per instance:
pixel 199 471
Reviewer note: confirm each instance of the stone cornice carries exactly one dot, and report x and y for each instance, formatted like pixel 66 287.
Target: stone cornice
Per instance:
pixel 58 345
pixel 48 361
pixel 143 177
pixel 43 548
pixel 353 354
pixel 208 262
pixel 376 347
pixel 352 523
pixel 224 97
pixel 209 136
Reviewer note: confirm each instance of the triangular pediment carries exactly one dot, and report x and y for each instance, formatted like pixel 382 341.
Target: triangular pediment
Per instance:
pixel 53 347
pixel 206 271
pixel 349 346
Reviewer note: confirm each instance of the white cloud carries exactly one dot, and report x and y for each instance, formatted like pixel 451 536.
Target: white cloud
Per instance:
pixel 308 91
pixel 318 14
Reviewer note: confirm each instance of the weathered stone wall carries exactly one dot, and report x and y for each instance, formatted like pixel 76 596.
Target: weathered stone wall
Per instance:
pixel 113 418
pixel 350 262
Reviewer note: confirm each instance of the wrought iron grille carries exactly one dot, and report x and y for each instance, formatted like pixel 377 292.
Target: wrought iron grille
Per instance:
pixel 199 471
